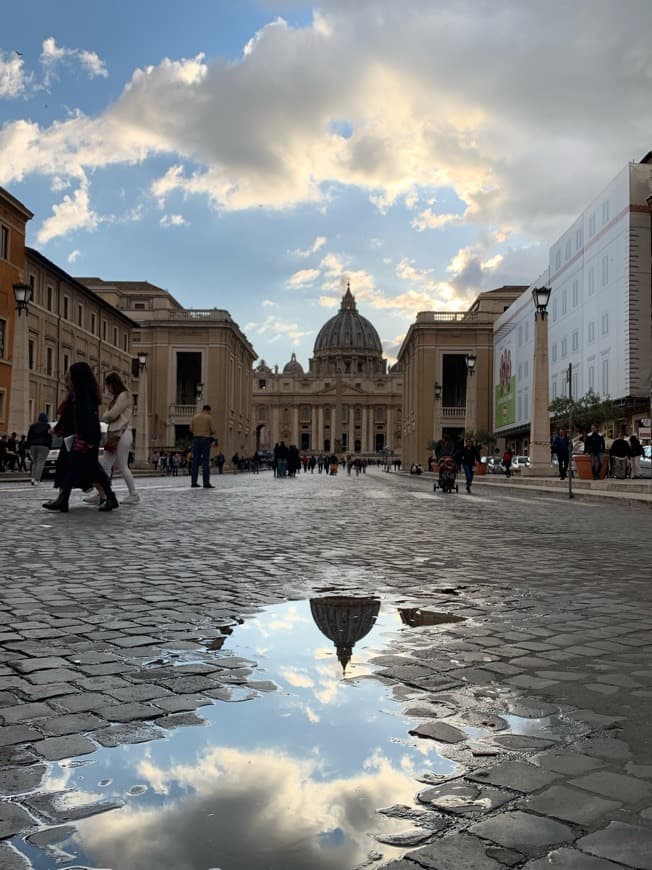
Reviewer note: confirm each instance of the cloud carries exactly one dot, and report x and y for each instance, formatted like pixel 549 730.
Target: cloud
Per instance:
pixel 72 213
pixel 13 79
pixel 303 278
pixel 273 328
pixel 73 256
pixel 173 220
pixel 319 243
pixel 53 55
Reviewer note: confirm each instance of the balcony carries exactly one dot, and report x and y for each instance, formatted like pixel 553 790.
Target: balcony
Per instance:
pixel 182 411
pixel 454 412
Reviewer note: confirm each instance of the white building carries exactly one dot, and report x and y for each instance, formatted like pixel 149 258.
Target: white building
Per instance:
pixel 599 315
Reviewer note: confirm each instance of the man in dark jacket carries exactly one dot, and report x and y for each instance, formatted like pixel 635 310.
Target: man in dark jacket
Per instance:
pixel 39 443
pixel 469 455
pixel 561 447
pixel 594 446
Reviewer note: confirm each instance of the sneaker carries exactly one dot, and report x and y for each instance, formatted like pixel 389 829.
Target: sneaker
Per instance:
pixel 194 486
pixel 134 498
pixel 208 486
pixel 92 499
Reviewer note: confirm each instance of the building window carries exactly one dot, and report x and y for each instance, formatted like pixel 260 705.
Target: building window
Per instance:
pixel 591 281
pixel 30 354
pixel 48 410
pixel 564 301
pixel 591 377
pixel 520 373
pixel 66 362
pixel 605 270
pixel 4 242
pixel 605 377
pixel 591 331
pixel 527 331
pixel 125 342
pixel 564 348
pixel 605 212
pixel 262 413
pixel 567 250
pixel 576 293
pixel 592 225
pixel 579 239
pixel 554 389
pixel 80 315
pixel 605 323
pixel 520 335
pixel 554 352
pixel 3 331
pixel 576 382
pixel 139 305
pixel 49 361
pixel 575 340
pixel 558 260
pixel 115 336
pixel 49 297
pixel 554 310
pixel 104 330
pixel 526 369
pixel 66 307
pixel 93 322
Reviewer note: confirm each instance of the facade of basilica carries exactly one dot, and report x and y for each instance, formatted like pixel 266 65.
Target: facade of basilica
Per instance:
pixel 347 402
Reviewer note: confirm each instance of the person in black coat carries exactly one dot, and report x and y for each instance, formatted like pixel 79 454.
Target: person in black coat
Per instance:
pixel 80 426
pixel 39 444
pixel 561 447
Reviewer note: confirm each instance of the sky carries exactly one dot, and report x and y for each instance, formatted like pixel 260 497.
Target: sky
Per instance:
pixel 256 155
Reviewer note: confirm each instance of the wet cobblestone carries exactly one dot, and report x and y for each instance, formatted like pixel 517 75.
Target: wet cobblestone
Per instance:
pixel 111 629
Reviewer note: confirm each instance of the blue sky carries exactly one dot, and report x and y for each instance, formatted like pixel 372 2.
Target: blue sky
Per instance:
pixel 256 155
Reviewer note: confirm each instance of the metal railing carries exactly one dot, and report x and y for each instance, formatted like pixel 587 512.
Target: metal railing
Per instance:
pixel 458 411
pixel 183 410
pixel 198 314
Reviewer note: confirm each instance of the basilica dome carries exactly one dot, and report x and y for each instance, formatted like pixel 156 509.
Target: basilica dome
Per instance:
pixel 293 367
pixel 348 331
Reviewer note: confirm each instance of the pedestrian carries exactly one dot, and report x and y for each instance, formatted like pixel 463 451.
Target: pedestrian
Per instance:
pixel 507 461
pixel 619 453
pixel 468 457
pixel 219 462
pixel 118 437
pixel 3 452
pixel 203 431
pixel 595 447
pixel 21 450
pixel 561 448
pixel 39 442
pixel 636 451
pixel 12 452
pixel 82 424
pixel 281 455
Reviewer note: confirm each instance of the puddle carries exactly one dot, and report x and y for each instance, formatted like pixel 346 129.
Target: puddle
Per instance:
pixel 290 779
pixel 554 727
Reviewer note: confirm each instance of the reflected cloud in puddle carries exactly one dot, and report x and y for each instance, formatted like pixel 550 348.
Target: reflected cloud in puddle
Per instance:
pixel 292 779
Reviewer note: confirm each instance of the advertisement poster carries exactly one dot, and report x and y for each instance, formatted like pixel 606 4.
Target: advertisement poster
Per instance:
pixel 505 389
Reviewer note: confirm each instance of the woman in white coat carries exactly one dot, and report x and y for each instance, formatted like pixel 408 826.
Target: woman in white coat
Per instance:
pixel 118 437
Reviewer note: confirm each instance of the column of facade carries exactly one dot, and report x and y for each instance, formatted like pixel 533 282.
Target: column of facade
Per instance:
pixel 364 437
pixel 351 436
pixel 275 425
pixel 313 429
pixel 320 429
pixel 295 426
pixel 389 435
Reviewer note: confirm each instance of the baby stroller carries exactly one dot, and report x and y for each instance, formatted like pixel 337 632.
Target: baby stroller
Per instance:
pixel 447 475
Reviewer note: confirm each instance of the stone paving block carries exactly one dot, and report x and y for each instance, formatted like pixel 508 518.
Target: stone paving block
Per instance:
pixel 181 703
pixel 569 763
pixel 614 785
pixel 54 675
pixel 14 819
pixel 526 681
pixel 66 806
pixel 523 831
pixel 48 691
pixel 570 805
pixel 628 844
pixel 463 798
pixel 28 666
pixel 24 712
pixel 180 720
pixel 12 859
pixel 139 692
pixel 457 852
pixel 16 780
pixel 129 732
pixel 517 775
pixel 83 702
pixel 570 859
pixel 135 641
pixel 602 688
pixel 56 748
pixel 441 731
pixel 17 734
pixel 73 723
pixel 102 684
pixel 127 712
pixel 610 748
pixel 188 685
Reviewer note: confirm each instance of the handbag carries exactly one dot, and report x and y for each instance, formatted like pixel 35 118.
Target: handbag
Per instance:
pixel 112 440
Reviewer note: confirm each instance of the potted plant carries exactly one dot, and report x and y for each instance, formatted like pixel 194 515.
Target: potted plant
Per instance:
pixel 583 412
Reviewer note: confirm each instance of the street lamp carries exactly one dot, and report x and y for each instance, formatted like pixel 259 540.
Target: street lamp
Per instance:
pixel 437 391
pixel 540 420
pixel 470 422
pixel 19 400
pixel 142 412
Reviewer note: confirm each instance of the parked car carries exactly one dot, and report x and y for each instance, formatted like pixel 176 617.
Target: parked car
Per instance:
pixel 495 465
pixel 646 462
pixel 520 462
pixel 53 455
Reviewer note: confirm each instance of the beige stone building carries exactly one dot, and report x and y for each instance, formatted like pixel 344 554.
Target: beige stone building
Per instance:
pixel 193 357
pixel 347 401
pixel 440 395
pixel 69 323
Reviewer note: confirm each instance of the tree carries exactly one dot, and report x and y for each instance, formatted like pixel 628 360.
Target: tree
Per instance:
pixel 589 409
pixel 483 438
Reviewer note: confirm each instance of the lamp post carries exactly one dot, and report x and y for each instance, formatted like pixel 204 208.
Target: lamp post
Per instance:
pixel 19 403
pixel 540 418
pixel 142 422
pixel 199 392
pixel 435 422
pixel 470 404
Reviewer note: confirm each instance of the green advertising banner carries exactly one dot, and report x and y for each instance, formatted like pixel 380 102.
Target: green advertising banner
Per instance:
pixel 505 404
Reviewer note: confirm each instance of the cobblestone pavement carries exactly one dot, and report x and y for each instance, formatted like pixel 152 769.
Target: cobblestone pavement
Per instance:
pixel 556 633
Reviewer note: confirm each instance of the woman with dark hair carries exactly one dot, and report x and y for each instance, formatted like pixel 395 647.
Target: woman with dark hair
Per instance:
pixel 118 438
pixel 39 443
pixel 80 413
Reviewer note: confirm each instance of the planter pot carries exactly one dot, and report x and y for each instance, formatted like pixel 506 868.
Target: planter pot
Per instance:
pixel 583 466
pixel 480 467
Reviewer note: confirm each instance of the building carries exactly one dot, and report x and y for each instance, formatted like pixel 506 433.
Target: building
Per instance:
pixel 599 314
pixel 347 402
pixel 440 397
pixel 193 357
pixel 13 350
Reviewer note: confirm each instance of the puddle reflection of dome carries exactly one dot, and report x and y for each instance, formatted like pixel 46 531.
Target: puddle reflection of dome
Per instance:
pixel 344 620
